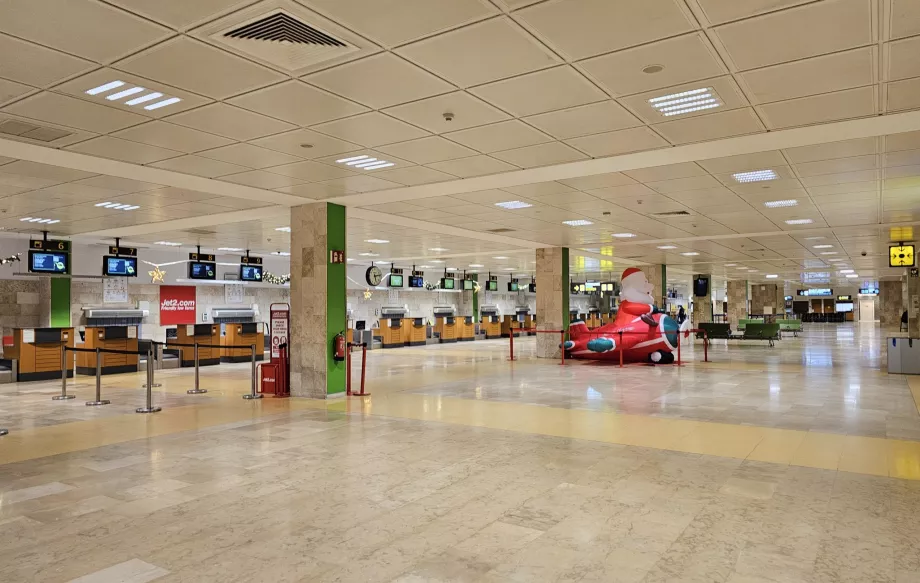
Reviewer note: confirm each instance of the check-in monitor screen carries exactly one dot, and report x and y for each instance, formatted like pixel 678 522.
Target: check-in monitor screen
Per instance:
pixel 250 272
pixel 467 284
pixel 447 283
pixel 492 286
pixel 119 266
pixel 48 262
pixel 198 270
pixel 396 280
pixel 416 281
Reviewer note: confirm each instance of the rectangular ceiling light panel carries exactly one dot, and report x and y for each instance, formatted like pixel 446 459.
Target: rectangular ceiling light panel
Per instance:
pixel 686 102
pixel 755 176
pixel 126 90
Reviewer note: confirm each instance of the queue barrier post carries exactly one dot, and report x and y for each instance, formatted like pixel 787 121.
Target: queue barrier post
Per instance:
pixel 348 368
pixel 149 407
pixel 99 400
pixel 621 349
pixel 363 393
pixel 511 336
pixel 154 355
pixel 197 390
pixel 562 344
pixel 705 346
pixel 63 396
pixel 253 394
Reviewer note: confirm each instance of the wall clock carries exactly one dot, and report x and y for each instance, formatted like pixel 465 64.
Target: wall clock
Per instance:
pixel 373 276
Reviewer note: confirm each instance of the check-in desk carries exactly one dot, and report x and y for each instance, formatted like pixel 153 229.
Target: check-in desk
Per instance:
pixel 445 324
pixel 417 332
pixel 466 329
pixel 394 329
pixel 244 334
pixel 573 316
pixel 111 338
pixel 525 318
pixel 202 334
pixel 38 353
pixel 594 319
pixel 490 322
pixel 608 318
pixel 512 324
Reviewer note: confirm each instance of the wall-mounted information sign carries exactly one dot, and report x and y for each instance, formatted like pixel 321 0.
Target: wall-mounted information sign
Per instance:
pixel 817 292
pixel 126 251
pixel 50 245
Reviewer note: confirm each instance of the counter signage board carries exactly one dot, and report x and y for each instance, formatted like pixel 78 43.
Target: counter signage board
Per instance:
pixel 126 251
pixel 49 245
pixel 115 290
pixel 280 328
pixel 177 305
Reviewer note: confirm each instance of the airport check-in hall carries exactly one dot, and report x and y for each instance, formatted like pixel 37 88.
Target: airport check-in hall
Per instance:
pixel 459 291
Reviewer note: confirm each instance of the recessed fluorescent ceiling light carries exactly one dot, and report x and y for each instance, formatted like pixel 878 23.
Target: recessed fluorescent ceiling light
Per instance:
pixel 623 235
pixel 283 229
pixel 513 204
pixel 437 261
pixel 756 176
pixel 281 253
pixel 104 88
pixel 578 223
pixel 775 204
pixel 230 249
pixel 163 103
pixel 819 237
pixel 690 253
pixel 667 246
pixel 147 95
pixel 847 271
pixel 771 276
pixel 365 162
pixel 370 255
pixel 823 247
pixel 799 222
pixel 476 265
pixel 438 249
pixel 852 275
pixel 376 241
pixel 118 206
pixel 144 98
pixel 730 264
pixel 685 102
pixel 500 257
pixel 126 93
pixel 828 253
pixel 39 220
pixel 508 269
pixel 450 269
pixel 168 243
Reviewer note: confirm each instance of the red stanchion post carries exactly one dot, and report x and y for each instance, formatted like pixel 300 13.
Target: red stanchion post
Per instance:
pixel 348 369
pixel 562 346
pixel 705 346
pixel 621 349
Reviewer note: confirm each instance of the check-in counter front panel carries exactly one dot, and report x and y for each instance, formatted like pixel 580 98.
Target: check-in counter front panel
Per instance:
pixel 466 329
pixel 208 334
pixel 491 326
pixel 111 338
pixel 245 334
pixel 38 352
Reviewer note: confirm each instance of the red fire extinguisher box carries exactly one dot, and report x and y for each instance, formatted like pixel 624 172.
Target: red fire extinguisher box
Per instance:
pixel 269 377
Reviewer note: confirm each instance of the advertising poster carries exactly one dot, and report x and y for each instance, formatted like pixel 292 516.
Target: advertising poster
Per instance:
pixel 177 304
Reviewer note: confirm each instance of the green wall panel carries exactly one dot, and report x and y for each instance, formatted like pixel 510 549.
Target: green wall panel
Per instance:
pixel 336 296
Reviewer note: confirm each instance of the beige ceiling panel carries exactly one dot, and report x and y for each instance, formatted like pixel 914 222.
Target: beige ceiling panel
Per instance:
pixel 903 172
pixel 719 11
pixel 37 65
pixel 468 111
pixel 901 158
pixel 548 90
pixel 539 189
pixel 583 28
pixel 618 142
pixel 85 28
pixel 294 143
pixel 311 171
pixel 837 165
pixel 500 136
pixel 710 127
pixel 171 136
pixel 428 150
pixel 79 86
pixel 75 113
pixel 487 197
pixel 480 53
pixel 229 121
pixel 684 184
pixel 122 185
pixel 668 172
pixel 725 89
pixel 847 104
pixel 180 13
pixel 904 95
pixel 361 183
pixel 540 155
pixel 686 58
pixel 842 188
pixel 806 31
pixel 56 174
pixel 10 90
pixel 198 166
pixel 902 59
pixel 473 166
pixel 744 162
pixel 829 151
pixel 394 22
pixel 313 191
pixel 371 129
pixel 824 74
pixel 587 119
pixel 249 156
pixel 298 103
pixel 597 181
pixel 414 175
pixel 262 179
pixel 205 70
pixel 117 149
pixel 905 18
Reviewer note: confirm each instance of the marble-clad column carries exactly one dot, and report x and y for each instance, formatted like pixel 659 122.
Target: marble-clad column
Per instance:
pixel 702 307
pixel 890 303
pixel 318 299
pixel 913 307
pixel 552 298
pixel 737 297
pixel 657 275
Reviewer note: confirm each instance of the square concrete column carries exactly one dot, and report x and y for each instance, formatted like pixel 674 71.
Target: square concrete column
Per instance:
pixel 318 299
pixel 764 296
pixel 890 304
pixel 737 297
pixel 702 307
pixel 552 298
pixel 657 275
pixel 913 307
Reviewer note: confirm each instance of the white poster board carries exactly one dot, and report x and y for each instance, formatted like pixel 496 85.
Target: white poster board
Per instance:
pixel 233 293
pixel 28 336
pixel 280 330
pixel 115 290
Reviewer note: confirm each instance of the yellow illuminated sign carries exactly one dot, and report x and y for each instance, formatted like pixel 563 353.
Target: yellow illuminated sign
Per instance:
pixel 901 256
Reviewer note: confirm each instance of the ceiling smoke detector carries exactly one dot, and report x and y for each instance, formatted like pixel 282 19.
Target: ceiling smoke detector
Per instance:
pixel 652 69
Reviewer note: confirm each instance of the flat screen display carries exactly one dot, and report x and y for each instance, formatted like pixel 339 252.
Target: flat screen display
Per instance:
pixel 467 284
pixel 868 291
pixel 512 286
pixel 250 273
pixel 447 283
pixel 416 281
pixel 532 288
pixel 701 287
pixel 48 262
pixel 817 292
pixel 396 280
pixel 492 285
pixel 120 266
pixel 198 270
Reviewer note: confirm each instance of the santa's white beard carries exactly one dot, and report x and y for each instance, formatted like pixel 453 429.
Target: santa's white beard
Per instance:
pixel 637 296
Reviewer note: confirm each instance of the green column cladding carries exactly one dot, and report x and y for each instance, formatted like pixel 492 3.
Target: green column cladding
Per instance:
pixel 336 296
pixel 60 302
pixel 566 289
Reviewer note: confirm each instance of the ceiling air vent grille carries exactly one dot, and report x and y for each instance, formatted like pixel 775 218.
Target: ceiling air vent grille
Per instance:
pixel 12 127
pixel 499 230
pixel 672 214
pixel 200 232
pixel 283 40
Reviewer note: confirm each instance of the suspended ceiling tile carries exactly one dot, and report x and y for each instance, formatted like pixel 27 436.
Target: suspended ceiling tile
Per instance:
pixel 669 172
pixel 10 90
pixel 180 13
pixel 75 113
pixel 539 92
pixel 618 142
pixel 540 155
pixel 539 189
pixel 468 111
pixel 249 156
pixel 840 178
pixel 847 104
pixel 719 11
pixel 298 103
pixel 262 179
pixel 685 59
pixel 744 162
pixel 37 65
pixel 200 166
pixel 587 119
pixel 371 129
pixel 205 70
pixel 85 28
pixel 837 165
pixel 312 191
pixel 117 149
pixel 293 143
pixel 171 136
pixel 380 81
pixel 361 183
pixel 394 22
pixel 56 174
pixel 311 171
pixel 499 136
pixel 904 95
pixel 905 18
pixel 122 185
pixel 902 60
pixel 598 181
pixel 584 28
pixel 480 53
pixel 806 31
pixel 472 166
pixel 710 127
pixel 229 121
pixel 414 175
pixel 684 184
pixel 824 74
pixel 901 158
pixel 428 150
pixel 724 88
pixel 831 150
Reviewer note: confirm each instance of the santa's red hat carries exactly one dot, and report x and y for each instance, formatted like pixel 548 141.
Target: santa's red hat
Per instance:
pixel 630 271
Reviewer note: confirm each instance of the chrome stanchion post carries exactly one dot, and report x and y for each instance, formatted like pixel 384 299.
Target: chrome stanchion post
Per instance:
pixel 99 400
pixel 151 358
pixel 197 390
pixel 63 396
pixel 150 384
pixel 252 392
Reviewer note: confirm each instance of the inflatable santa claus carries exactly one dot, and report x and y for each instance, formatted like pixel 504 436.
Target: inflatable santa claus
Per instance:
pixel 640 331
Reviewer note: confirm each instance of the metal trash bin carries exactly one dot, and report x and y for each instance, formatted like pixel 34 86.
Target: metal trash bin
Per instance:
pixel 893 346
pixel 910 355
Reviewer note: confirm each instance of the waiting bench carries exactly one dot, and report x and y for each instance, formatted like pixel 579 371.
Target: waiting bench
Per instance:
pixel 768 332
pixel 715 331
pixel 790 325
pixel 742 323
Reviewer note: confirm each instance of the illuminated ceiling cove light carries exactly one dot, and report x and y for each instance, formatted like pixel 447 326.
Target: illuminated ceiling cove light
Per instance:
pixel 118 206
pixel 283 229
pixel 775 204
pixel 500 257
pixel 578 223
pixel 39 220
pixel 799 222
pixel 437 261
pixel 476 265
pixel 376 241
pixel 168 243
pixel 667 246
pixel 513 204
pixel 817 238
pixel 690 254
pixel 370 255
pixel 756 176
pixel 847 271
pixel 365 162
pixel 730 264
pixel 145 96
pixel 231 249
pixel 685 102
pixel 852 275
pixel 624 235
pixel 771 276
pixel 823 247
pixel 281 253
pixel 438 249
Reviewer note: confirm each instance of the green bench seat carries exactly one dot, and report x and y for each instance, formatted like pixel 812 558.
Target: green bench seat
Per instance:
pixel 794 326
pixel 768 332
pixel 742 324
pixel 715 331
